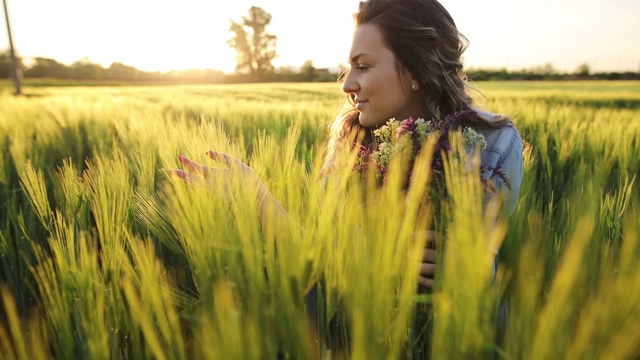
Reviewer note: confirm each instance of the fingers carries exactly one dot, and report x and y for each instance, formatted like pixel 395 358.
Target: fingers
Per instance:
pixel 185 176
pixel 193 166
pixel 425 281
pixel 229 161
pixel 429 256
pixel 427 274
pixel 427 268
pixel 217 177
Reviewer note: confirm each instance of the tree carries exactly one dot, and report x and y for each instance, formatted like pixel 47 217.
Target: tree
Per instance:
pixel 6 67
pixel 85 69
pixel 254 46
pixel 546 69
pixel 120 71
pixel 308 70
pixel 583 70
pixel 47 68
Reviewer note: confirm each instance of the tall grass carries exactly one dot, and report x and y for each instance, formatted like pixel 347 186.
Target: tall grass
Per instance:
pixel 105 256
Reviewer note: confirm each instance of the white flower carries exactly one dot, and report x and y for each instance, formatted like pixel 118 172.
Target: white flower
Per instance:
pixel 473 140
pixel 423 128
pixel 384 154
pixel 385 132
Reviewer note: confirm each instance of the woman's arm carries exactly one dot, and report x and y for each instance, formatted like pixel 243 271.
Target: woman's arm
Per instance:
pixel 234 170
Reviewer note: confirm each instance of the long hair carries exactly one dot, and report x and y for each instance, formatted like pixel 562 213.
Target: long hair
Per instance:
pixel 426 42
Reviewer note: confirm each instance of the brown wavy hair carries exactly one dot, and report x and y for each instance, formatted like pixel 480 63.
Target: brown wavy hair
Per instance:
pixel 426 42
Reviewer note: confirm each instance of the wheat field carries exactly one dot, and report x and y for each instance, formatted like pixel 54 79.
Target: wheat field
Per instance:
pixel 105 256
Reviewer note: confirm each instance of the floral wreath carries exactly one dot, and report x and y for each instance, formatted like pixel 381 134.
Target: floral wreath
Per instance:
pixel 397 138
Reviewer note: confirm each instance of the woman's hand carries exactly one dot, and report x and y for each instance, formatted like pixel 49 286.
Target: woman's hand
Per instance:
pixel 427 272
pixel 196 173
pixel 235 170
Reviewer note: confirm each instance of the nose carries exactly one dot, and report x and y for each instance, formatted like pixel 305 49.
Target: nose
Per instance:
pixel 350 85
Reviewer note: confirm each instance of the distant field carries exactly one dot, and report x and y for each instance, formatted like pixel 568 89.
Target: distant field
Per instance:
pixel 104 256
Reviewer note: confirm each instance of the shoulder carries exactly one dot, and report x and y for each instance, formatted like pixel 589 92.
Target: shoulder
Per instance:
pixel 502 140
pixel 504 152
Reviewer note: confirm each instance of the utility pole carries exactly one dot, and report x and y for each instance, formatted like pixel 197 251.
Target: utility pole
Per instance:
pixel 17 71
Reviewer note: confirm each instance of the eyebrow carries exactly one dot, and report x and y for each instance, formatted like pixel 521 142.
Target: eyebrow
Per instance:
pixel 356 57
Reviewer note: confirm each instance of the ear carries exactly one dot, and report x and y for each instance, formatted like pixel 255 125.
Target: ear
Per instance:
pixel 420 81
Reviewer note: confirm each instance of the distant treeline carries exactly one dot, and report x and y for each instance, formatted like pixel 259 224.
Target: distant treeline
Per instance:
pixel 539 73
pixel 86 70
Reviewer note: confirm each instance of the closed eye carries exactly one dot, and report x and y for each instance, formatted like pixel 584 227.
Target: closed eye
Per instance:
pixel 362 68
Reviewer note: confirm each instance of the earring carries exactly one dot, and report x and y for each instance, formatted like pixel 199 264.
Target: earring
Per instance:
pixel 414 86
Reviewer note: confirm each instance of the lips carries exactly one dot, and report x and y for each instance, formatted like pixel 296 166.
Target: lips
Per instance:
pixel 360 103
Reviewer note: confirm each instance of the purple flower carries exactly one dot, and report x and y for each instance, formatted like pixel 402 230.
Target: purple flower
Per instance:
pixel 388 141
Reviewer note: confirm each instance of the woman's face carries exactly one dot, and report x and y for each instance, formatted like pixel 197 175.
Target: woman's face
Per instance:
pixel 380 92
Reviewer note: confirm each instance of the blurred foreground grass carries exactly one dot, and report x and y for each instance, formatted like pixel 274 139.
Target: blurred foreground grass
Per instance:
pixel 103 256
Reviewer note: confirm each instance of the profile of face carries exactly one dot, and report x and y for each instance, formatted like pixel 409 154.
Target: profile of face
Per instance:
pixel 379 90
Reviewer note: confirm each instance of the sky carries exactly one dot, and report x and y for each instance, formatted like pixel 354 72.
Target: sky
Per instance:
pixel 163 35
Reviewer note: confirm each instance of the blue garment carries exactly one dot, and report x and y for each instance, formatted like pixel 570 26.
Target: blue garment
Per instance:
pixel 504 152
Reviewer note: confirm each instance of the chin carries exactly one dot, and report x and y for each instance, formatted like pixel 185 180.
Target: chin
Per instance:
pixel 371 124
pixel 366 122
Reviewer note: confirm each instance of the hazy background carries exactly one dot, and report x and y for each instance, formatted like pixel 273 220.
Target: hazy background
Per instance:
pixel 165 35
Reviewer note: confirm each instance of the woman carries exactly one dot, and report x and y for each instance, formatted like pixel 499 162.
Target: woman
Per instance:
pixel 405 61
